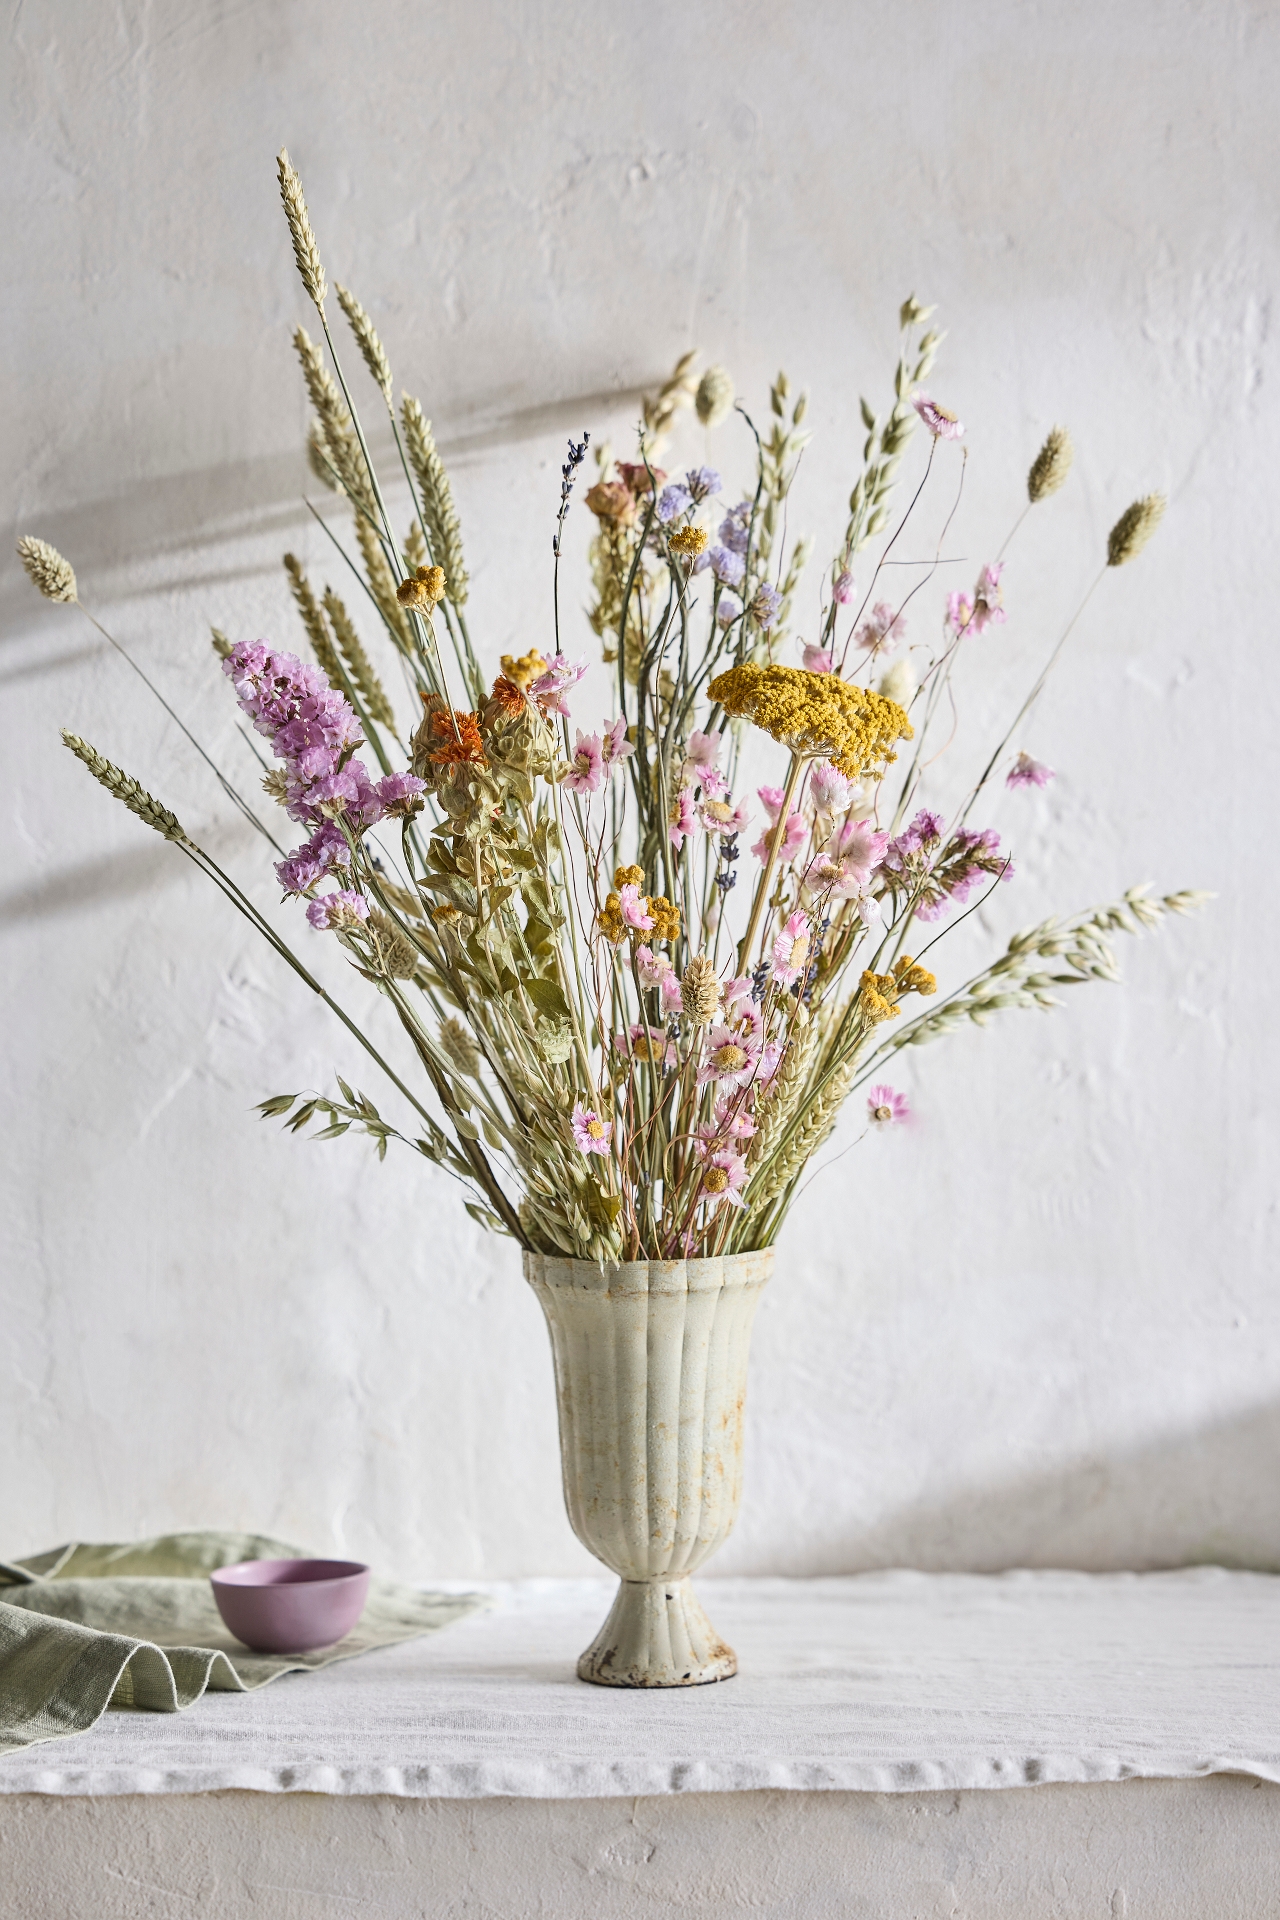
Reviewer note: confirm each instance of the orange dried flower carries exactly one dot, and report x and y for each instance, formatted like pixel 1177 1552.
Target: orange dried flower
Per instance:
pixel 460 742
pixel 506 698
pixel 612 500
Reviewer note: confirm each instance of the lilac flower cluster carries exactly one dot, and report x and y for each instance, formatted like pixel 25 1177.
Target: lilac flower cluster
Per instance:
pixel 314 731
pixel 699 484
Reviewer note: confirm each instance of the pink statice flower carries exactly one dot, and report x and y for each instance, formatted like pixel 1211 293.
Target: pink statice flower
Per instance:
pixel 881 631
pixel 1026 772
pixel 724 1174
pixel 842 587
pixel 590 1132
pixel 327 848
pixel 731 1058
pixel 885 1106
pixel 815 659
pixel 586 769
pixel 682 816
pixel 337 912
pixel 631 905
pixel 549 689
pixel 941 422
pixel 400 794
pixel 791 950
pixel 829 789
pixel 614 745
pixel 766 605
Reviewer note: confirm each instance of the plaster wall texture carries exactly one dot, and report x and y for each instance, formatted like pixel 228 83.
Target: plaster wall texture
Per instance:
pixel 1041 1326
pixel 1144 1850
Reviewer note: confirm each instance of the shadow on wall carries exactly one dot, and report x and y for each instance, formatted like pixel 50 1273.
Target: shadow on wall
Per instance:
pixel 1214 1493
pixel 183 513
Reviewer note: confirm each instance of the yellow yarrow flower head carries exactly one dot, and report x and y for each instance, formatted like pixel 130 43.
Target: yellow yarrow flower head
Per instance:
pixel 424 588
pixel 610 920
pixel 816 714
pixel 690 541
pixel 665 917
pixel 628 876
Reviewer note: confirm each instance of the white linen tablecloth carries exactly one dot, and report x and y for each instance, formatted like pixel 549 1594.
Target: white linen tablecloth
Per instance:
pixel 880 1682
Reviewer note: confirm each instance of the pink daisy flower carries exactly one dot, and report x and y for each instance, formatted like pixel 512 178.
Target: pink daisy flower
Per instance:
pixel 731 1057
pixel 791 950
pixel 586 770
pixel 941 422
pixel 815 659
pixel 632 908
pixel 1026 772
pixel 724 1175
pixel 881 632
pixel 886 1106
pixel 590 1132
pixel 682 817
pixel 614 745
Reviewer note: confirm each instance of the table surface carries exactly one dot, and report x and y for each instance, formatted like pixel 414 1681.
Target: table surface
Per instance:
pixel 879 1682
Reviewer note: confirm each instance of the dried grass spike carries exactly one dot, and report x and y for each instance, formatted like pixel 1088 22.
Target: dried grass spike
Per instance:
pixel 714 398
pixel 1134 528
pixel 700 991
pixel 460 1047
pixel 46 569
pixel 313 620
pixel 1051 465
pixel 359 665
pixel 126 789
pixel 367 340
pixel 443 528
pixel 305 250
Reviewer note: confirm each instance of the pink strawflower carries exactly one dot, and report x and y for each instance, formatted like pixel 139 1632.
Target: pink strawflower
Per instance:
pixel 586 770
pixel 549 689
pixel 733 1119
pixel 815 659
pixel 881 631
pixel 988 598
pixel 770 1060
pixel 720 816
pixel 796 831
pixel 885 1106
pixel 614 745
pixel 683 816
pixel 631 903
pixel 724 1175
pixel 731 1058
pixel 842 587
pixel 941 422
pixel 859 848
pixel 1026 772
pixel 959 612
pixel 791 950
pixel 590 1132
pixel 646 1043
pixel 655 970
pixel 334 912
pixel 702 763
pixel 829 789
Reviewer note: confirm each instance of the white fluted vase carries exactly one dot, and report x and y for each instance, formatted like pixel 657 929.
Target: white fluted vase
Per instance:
pixel 651 1380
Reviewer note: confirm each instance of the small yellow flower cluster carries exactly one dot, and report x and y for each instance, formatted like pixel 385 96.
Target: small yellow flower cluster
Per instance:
pixel 816 714
pixel 522 672
pixel 913 979
pixel 613 923
pixel 690 541
pixel 424 589
pixel 874 1003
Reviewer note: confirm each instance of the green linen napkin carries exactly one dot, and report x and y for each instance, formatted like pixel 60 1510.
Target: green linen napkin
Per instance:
pixel 84 1628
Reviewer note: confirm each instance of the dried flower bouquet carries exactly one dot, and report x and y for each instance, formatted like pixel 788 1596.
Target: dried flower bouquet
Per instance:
pixel 635 1029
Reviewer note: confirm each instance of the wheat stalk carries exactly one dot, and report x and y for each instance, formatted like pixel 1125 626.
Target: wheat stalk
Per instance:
pixel 382 585
pixel 127 789
pixel 341 444
pixel 361 669
pixel 367 340
pixel 442 525
pixel 313 620
pixel 305 250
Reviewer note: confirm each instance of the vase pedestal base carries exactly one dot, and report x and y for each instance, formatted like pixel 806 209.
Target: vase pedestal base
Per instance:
pixel 657 1635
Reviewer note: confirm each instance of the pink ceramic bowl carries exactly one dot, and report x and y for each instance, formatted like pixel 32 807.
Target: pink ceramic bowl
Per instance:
pixel 291 1606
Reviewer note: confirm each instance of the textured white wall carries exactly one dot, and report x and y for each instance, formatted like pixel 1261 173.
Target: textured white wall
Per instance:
pixel 1041 1326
